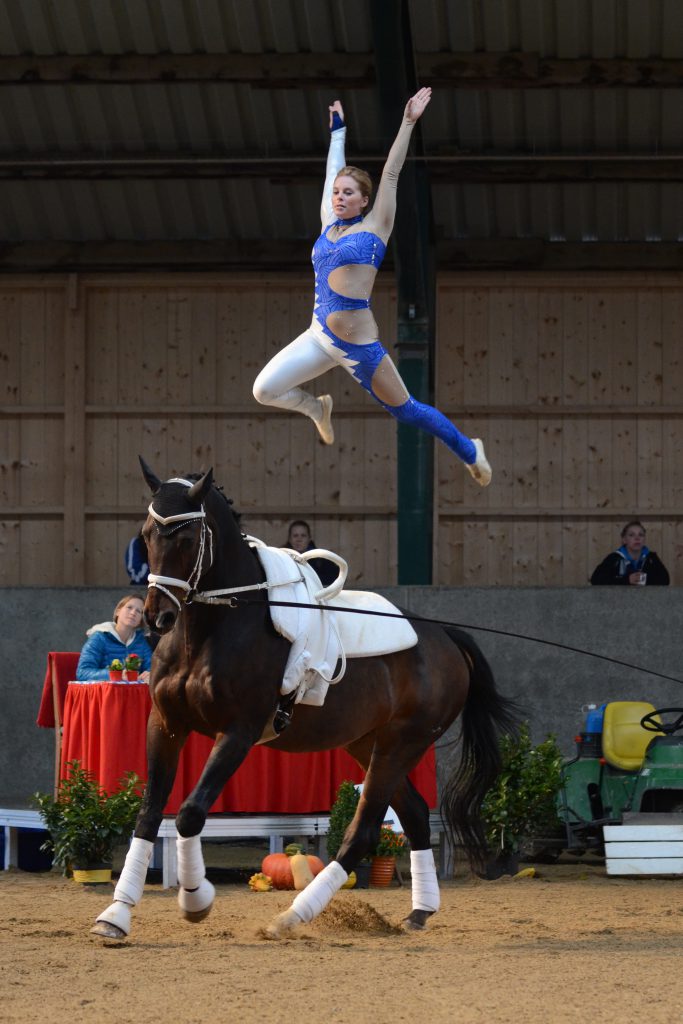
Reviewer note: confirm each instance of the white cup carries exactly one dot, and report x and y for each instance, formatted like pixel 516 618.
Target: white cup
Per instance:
pixel 642 579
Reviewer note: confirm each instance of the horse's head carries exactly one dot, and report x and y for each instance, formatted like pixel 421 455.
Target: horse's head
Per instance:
pixel 179 544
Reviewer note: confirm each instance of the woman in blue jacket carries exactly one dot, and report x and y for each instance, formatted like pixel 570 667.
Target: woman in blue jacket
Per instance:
pixel 118 639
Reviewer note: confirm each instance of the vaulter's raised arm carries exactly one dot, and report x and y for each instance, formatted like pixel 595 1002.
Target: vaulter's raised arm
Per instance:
pixel 384 209
pixel 336 159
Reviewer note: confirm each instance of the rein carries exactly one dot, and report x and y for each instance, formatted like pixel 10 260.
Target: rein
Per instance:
pixel 464 625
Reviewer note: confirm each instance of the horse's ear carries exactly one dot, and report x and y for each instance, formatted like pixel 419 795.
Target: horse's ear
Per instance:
pixel 198 491
pixel 153 481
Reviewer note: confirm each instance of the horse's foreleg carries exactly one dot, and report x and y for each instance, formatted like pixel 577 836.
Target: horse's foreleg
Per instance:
pixel 414 816
pixel 163 751
pixel 196 893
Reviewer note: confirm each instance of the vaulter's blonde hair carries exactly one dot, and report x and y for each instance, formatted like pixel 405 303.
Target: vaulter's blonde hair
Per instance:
pixel 362 179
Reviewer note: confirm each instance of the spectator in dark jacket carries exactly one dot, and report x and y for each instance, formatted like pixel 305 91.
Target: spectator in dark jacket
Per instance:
pixel 137 565
pixel 299 539
pixel 633 563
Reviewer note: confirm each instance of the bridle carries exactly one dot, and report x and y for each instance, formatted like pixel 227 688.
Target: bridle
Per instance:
pixel 188 586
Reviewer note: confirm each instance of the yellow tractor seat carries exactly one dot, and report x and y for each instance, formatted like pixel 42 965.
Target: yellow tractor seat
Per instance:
pixel 624 741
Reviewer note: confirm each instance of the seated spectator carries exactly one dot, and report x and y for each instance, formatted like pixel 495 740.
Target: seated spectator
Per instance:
pixel 137 566
pixel 299 539
pixel 109 640
pixel 633 563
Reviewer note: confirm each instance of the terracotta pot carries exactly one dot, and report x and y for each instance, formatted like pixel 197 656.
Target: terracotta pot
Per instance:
pixel 382 872
pixel 115 675
pixel 131 675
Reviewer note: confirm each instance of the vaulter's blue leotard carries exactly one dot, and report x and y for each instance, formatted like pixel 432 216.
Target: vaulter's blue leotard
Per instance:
pixel 367 248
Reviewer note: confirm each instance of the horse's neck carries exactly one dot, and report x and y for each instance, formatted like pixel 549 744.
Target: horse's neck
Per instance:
pixel 235 563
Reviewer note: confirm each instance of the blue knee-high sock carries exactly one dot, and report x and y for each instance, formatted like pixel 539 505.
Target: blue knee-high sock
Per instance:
pixel 434 422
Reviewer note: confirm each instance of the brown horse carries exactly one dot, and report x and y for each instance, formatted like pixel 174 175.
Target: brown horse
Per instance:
pixel 217 670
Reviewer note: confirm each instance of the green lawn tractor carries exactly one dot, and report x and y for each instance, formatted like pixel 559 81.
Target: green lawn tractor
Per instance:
pixel 629 760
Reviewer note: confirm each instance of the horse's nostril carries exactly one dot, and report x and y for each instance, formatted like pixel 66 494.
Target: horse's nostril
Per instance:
pixel 164 621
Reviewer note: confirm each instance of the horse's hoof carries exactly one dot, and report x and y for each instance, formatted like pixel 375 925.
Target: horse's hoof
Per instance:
pixel 195 916
pixel 196 904
pixel 282 924
pixel 107 930
pixel 416 921
pixel 114 923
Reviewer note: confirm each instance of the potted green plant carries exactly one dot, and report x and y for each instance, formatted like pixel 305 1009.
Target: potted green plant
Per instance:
pixel 522 801
pixel 341 815
pixel 383 864
pixel 86 823
pixel 132 667
pixel 116 671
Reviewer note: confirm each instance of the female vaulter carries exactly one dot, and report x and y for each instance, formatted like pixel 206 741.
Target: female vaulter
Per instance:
pixel 343 332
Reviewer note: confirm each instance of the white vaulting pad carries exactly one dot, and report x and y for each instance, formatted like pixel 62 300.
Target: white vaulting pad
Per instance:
pixel 321 638
pixel 365 635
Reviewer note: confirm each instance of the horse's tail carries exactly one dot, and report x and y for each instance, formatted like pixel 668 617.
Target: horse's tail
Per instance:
pixel 485 716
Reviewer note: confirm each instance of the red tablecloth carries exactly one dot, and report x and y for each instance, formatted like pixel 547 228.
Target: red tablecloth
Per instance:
pixel 105 729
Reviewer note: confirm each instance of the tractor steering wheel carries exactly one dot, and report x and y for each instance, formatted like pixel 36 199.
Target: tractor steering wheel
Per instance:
pixel 668 728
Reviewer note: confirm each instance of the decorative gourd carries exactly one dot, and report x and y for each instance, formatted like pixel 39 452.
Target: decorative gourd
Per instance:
pixel 287 875
pixel 301 871
pixel 260 882
pixel 278 869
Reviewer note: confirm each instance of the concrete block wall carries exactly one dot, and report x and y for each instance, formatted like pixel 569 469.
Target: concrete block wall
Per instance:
pixel 641 626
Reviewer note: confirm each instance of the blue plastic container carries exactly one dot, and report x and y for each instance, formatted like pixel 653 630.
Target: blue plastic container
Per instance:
pixel 594 719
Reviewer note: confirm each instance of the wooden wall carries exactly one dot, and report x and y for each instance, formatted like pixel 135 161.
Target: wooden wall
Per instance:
pixel 574 381
pixel 576 384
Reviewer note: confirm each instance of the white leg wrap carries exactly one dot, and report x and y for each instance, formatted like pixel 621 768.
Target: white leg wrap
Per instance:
pixel 131 883
pixel 197 900
pixel 318 893
pixel 425 885
pixel 191 870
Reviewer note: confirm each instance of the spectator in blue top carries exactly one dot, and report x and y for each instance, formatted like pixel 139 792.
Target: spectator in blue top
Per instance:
pixel 118 639
pixel 632 564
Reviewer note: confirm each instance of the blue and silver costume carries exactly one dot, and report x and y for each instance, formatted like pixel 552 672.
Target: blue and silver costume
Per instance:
pixel 319 348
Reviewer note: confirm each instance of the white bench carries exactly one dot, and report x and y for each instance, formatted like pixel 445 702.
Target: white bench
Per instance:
pixel 273 827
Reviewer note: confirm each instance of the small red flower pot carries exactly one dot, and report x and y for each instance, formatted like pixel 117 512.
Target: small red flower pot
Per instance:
pixel 115 675
pixel 131 675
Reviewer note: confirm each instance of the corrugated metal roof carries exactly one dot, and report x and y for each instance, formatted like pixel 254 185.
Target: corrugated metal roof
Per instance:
pixel 236 119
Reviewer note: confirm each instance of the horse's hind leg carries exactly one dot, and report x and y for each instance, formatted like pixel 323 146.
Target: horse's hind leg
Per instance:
pixel 163 751
pixel 414 816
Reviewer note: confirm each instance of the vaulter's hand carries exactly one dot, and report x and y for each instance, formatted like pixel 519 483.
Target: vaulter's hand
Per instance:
pixel 416 104
pixel 338 107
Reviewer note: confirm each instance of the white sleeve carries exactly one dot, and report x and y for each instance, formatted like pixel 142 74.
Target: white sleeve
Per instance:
pixel 336 159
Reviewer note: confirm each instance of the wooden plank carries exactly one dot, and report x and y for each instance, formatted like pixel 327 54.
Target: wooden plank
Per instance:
pixel 644 848
pixel 645 866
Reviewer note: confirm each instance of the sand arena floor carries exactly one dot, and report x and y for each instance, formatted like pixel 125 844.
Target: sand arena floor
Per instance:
pixel 569 945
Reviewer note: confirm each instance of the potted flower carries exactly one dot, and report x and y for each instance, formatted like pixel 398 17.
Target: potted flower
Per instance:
pixel 522 801
pixel 116 671
pixel 86 823
pixel 383 864
pixel 132 667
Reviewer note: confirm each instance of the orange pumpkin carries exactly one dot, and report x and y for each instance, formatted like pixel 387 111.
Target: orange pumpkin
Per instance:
pixel 278 868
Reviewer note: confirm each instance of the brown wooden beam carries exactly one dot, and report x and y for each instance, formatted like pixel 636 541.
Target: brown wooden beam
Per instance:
pixel 294 254
pixel 448 169
pixel 513 70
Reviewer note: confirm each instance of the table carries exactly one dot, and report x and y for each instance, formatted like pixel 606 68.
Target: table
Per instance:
pixel 105 729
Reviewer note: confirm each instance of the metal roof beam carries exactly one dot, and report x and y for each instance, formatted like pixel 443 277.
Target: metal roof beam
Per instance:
pixel 512 70
pixel 540 168
pixel 239 256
